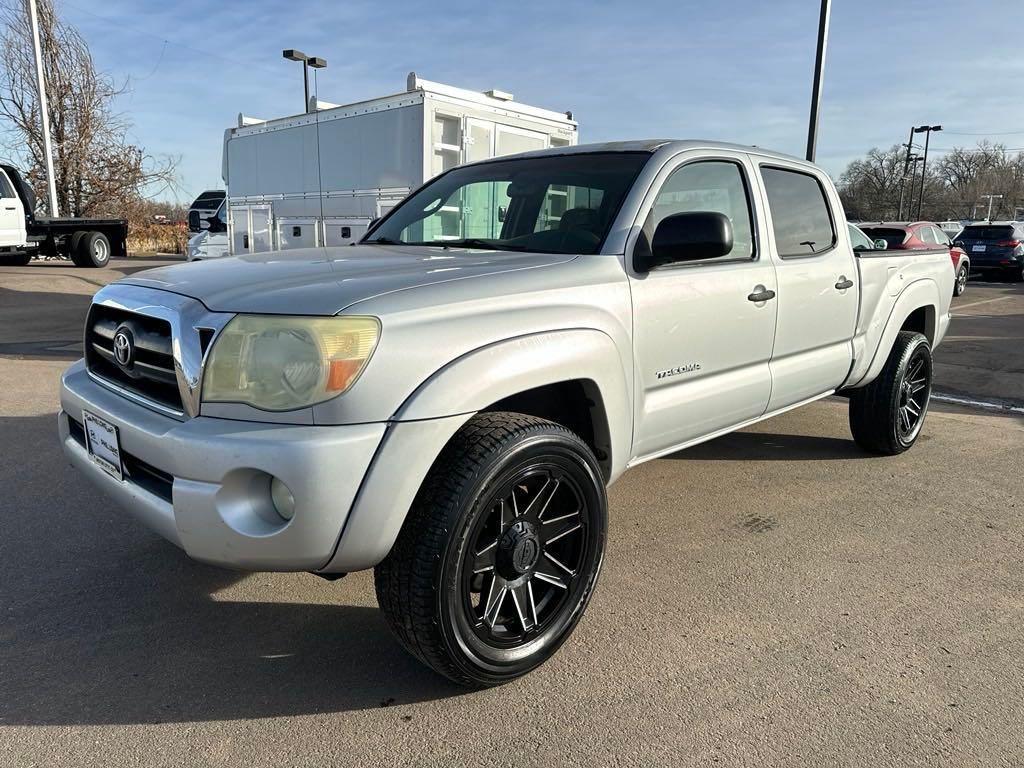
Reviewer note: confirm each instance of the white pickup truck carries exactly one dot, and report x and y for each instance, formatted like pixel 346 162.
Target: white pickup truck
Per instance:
pixel 23 235
pixel 447 401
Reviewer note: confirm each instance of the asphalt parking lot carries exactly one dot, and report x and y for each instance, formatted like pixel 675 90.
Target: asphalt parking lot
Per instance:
pixel 774 597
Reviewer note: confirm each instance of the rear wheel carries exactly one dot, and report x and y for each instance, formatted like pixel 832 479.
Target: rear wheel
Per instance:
pixel 92 249
pixel 961 281
pixel 501 550
pixel 886 416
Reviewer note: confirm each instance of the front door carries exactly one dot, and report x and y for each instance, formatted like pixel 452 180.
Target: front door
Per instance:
pixel 818 288
pixel 12 214
pixel 703 343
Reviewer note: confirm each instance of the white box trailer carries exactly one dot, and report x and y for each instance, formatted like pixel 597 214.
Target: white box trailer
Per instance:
pixel 320 178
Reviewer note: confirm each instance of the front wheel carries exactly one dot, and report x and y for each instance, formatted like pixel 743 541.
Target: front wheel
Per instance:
pixel 886 416
pixel 501 550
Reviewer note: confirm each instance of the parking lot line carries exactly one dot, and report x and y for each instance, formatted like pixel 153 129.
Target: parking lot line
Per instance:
pixel 984 301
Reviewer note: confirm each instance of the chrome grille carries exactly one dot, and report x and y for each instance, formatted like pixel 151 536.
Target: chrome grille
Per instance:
pixel 151 372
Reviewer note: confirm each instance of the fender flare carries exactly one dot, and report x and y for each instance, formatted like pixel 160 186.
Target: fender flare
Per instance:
pixel 426 421
pixel 921 293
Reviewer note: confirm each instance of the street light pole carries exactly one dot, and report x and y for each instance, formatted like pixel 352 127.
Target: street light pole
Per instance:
pixel 927 131
pixel 307 61
pixel 819 77
pixel 903 179
pixel 990 199
pixel 51 184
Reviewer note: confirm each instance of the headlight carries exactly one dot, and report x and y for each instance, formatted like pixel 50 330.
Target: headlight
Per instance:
pixel 278 363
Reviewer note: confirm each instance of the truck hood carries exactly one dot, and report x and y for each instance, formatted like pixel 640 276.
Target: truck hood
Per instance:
pixel 324 281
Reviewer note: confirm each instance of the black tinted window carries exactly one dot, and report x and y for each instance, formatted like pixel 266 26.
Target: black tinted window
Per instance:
pixel 987 233
pixel 799 211
pixel 6 190
pixel 893 236
pixel 208 201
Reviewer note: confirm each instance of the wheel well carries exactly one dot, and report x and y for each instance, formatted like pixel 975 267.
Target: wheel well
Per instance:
pixel 921 320
pixel 575 404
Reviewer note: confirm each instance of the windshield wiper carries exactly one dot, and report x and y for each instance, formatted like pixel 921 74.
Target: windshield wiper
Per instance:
pixel 475 242
pixel 385 241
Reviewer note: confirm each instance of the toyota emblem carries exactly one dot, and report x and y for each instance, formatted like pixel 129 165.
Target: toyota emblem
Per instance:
pixel 123 348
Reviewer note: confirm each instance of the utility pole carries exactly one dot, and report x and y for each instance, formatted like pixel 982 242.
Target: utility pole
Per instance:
pixel 927 131
pixel 990 198
pixel 819 78
pixel 51 184
pixel 903 178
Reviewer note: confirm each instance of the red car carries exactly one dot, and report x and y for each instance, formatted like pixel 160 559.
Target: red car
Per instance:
pixel 922 235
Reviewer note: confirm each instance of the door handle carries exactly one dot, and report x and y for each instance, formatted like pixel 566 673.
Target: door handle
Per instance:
pixel 761 294
pixel 8 207
pixel 843 283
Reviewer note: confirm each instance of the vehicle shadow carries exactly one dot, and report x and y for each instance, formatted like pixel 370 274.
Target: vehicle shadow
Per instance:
pixel 106 623
pixel 769 446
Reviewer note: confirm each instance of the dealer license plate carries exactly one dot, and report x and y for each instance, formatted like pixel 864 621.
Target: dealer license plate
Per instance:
pixel 103 444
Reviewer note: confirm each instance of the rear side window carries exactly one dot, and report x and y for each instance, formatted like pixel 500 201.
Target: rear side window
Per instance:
pixel 926 235
pixel 800 213
pixel 6 190
pixel 987 233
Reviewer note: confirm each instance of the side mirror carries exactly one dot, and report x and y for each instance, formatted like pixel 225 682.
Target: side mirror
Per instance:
pixel 691 236
pixel 881 244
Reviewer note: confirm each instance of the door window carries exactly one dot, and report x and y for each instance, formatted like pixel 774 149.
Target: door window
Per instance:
pixel 927 235
pixel 6 190
pixel 713 185
pixel 800 213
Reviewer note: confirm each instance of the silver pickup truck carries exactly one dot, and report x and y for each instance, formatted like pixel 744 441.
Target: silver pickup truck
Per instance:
pixel 447 401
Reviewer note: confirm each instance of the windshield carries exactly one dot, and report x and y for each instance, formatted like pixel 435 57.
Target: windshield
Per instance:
pixel 553 204
pixel 208 200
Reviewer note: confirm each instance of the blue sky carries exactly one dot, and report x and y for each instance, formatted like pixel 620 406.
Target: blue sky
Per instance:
pixel 730 70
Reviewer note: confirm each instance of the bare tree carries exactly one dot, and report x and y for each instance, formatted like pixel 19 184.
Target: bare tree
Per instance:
pixel 953 187
pixel 98 171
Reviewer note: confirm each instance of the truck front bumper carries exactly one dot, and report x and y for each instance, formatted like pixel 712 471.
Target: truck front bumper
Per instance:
pixel 204 483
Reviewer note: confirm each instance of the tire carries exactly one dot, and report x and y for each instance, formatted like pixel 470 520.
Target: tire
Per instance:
pixel 91 249
pixel 72 242
pixel 882 416
pixel 961 282
pixel 485 613
pixel 15 259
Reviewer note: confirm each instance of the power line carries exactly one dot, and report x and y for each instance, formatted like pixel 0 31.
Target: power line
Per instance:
pixel 989 133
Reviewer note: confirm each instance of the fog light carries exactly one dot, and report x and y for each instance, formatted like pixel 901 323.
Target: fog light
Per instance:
pixel 283 500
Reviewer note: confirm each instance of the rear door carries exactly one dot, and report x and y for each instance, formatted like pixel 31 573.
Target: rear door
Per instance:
pixel 12 214
pixel 818 291
pixel 702 345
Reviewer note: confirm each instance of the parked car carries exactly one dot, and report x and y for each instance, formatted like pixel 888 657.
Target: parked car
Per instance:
pixel 448 407
pixel 995 247
pixel 923 235
pixel 88 242
pixel 203 207
pixel 211 242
